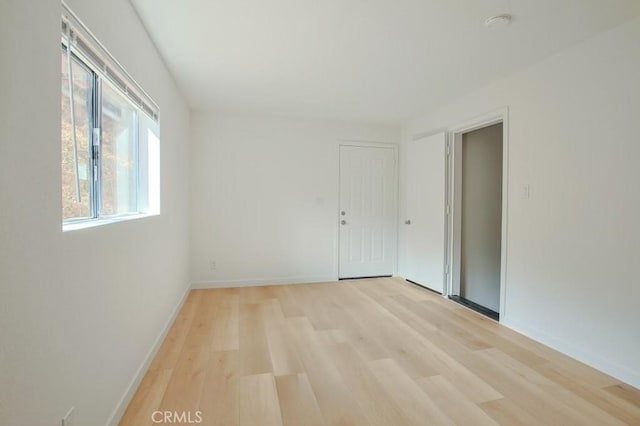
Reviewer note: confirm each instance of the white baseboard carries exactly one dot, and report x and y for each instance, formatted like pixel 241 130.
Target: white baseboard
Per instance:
pixel 122 405
pixel 260 282
pixel 617 371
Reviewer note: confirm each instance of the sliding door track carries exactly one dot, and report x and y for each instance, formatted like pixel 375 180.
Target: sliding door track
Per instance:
pixel 478 308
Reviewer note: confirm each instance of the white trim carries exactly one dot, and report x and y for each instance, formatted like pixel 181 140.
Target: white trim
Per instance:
pixel 617 371
pixel 455 136
pixel 256 282
pixel 455 199
pixel 92 223
pixel 396 211
pixel 124 401
pixel 481 121
pixel 449 160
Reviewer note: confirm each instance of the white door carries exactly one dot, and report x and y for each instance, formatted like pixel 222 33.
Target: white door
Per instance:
pixel 367 211
pixel 424 224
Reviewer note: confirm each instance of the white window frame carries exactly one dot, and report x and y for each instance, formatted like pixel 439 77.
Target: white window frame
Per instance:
pixel 83 48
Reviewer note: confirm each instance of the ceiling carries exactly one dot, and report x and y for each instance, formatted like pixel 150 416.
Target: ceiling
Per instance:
pixel 365 60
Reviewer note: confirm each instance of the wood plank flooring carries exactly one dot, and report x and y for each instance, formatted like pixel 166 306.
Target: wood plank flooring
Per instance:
pixel 364 352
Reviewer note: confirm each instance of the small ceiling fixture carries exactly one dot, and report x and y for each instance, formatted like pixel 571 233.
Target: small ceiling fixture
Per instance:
pixel 498 20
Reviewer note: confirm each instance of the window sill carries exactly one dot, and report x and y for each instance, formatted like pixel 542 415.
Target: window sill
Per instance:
pixel 92 223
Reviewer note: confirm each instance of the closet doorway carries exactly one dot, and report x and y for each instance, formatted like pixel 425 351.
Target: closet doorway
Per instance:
pixel 478 229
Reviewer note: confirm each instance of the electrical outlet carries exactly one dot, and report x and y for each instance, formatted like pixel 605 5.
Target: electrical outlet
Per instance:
pixel 212 265
pixel 68 419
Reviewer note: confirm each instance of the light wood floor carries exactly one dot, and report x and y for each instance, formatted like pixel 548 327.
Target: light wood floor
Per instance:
pixel 365 352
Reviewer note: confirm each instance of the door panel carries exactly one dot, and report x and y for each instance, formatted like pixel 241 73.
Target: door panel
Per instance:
pixel 367 198
pixel 425 236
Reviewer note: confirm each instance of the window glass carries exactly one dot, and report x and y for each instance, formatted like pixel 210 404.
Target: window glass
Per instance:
pixel 76 175
pixel 119 154
pixel 148 164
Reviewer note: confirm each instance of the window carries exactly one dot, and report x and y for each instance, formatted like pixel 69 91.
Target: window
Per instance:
pixel 110 135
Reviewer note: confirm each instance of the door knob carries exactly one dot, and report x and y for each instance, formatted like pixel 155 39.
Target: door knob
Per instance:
pixel 407 222
pixel 343 213
pixel 343 222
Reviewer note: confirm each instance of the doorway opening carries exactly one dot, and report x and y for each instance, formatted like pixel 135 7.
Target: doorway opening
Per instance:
pixel 477 236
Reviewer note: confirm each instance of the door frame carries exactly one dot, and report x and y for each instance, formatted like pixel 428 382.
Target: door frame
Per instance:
pixel 454 199
pixel 369 144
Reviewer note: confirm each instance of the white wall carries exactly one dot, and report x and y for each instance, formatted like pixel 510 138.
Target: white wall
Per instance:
pixel 574 136
pixel 264 197
pixel 78 310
